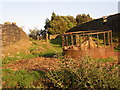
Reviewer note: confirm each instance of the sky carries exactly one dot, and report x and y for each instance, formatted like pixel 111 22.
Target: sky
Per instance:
pixel 33 13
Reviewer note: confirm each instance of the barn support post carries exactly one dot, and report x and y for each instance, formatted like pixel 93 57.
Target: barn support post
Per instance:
pixel 111 38
pixel 72 39
pixel 77 39
pixel 89 41
pixel 80 41
pixel 108 38
pixel 66 38
pixel 63 40
pixel 97 39
pixel 104 39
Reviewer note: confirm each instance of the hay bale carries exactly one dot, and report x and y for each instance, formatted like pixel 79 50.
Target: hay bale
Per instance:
pixel 88 44
pixel 7 23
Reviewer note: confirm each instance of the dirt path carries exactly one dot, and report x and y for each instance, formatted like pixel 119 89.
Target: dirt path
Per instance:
pixel 39 63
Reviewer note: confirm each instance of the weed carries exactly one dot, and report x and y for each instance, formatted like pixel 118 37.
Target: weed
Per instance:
pixel 85 73
pixel 109 59
pixel 20 78
pixel 19 56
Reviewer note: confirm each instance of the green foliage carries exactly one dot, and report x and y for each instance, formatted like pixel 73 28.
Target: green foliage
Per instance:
pixel 59 24
pixel 116 43
pixel 37 49
pixel 57 40
pixel 47 23
pixel 85 73
pixel 19 56
pixel 109 59
pixel 53 16
pixel 33 46
pixel 82 18
pixel 117 49
pixel 34 33
pixel 19 79
pixel 50 48
pixel 74 74
pixel 46 49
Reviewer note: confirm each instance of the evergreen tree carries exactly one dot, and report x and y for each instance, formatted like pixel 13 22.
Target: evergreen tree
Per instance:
pixel 47 24
pixel 53 17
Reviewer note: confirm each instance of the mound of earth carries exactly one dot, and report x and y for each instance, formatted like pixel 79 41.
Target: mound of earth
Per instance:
pixel 19 47
pixel 39 63
pixel 14 40
pixel 44 64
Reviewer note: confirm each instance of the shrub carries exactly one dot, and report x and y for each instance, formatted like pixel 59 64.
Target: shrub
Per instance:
pixel 85 73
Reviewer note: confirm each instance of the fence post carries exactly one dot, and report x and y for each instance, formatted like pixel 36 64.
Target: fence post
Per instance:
pixel 46 37
pixel 111 38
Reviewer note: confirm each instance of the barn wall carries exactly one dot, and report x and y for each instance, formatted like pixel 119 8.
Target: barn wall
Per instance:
pixel 112 23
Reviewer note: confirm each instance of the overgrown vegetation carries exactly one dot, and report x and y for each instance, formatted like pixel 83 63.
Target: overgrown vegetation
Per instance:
pixel 109 59
pixel 46 49
pixel 38 48
pixel 116 43
pixel 19 56
pixel 85 73
pixel 20 79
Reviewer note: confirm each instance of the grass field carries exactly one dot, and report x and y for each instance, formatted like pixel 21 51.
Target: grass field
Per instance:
pixel 38 49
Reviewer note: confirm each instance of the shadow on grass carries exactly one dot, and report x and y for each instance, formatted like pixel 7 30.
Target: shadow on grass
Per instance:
pixel 41 73
pixel 57 40
pixel 44 79
pixel 51 55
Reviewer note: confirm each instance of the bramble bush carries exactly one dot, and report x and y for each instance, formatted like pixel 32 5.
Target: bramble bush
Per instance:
pixel 85 73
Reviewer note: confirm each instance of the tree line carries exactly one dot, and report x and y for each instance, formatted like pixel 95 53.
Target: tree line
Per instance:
pixel 60 24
